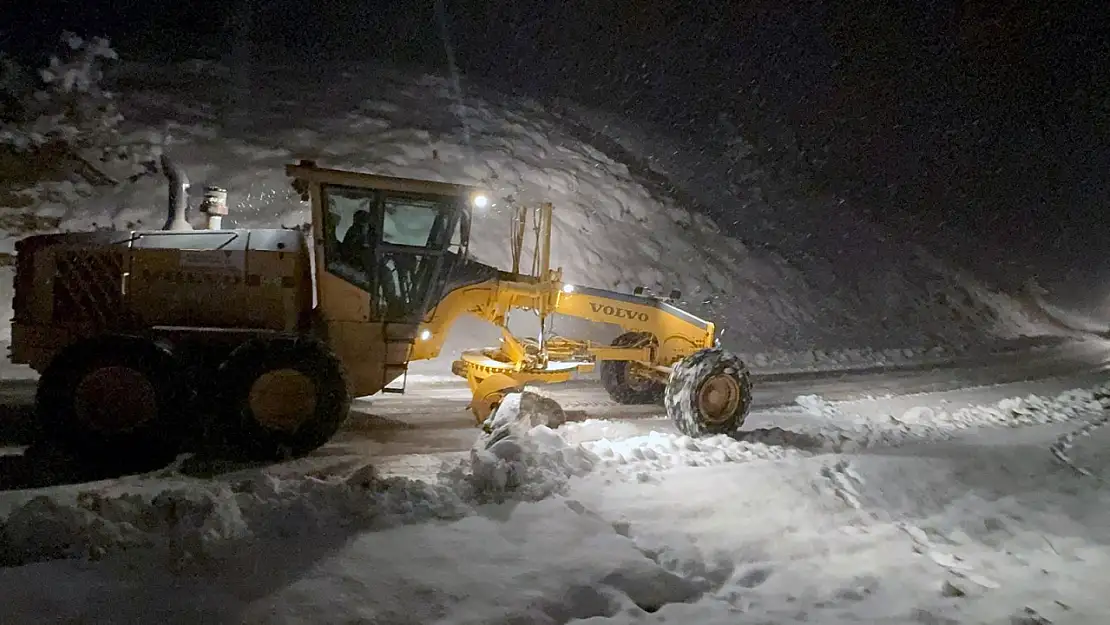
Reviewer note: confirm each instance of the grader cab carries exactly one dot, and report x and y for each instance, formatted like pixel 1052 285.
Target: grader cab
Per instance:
pixel 147 339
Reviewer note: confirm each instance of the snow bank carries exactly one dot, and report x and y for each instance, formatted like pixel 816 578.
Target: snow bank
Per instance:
pixel 837 431
pixel 615 227
pixel 195 522
pixel 847 432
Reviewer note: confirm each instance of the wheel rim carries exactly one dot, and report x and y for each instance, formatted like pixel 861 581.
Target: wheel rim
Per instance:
pixel 719 398
pixel 114 399
pixel 283 399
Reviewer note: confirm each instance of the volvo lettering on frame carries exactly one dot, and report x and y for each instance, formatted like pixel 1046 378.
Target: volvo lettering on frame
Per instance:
pixel 618 312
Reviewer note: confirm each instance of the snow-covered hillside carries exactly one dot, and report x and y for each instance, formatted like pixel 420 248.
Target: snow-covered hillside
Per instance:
pixel 616 225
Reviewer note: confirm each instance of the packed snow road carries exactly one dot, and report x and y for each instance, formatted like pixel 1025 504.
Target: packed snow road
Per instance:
pixel 413 434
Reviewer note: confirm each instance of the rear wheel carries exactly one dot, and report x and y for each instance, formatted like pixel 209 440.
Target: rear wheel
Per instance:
pixel 709 392
pixel 621 379
pixel 116 400
pixel 282 398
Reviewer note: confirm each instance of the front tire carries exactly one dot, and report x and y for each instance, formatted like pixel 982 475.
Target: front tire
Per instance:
pixel 115 400
pixel 709 392
pixel 620 379
pixel 282 398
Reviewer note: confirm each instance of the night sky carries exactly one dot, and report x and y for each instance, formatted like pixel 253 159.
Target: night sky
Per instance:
pixel 983 125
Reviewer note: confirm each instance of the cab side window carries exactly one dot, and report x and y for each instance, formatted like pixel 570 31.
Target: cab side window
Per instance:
pixel 349 236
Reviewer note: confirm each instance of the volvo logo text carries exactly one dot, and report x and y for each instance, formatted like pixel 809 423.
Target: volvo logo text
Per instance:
pixel 619 313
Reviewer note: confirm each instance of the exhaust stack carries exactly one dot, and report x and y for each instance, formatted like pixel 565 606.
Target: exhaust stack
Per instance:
pixel 215 206
pixel 178 208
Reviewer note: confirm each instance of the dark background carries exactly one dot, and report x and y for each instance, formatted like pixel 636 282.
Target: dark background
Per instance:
pixel 979 127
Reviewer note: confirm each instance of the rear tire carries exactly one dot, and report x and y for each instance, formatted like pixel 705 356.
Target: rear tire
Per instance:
pixel 115 400
pixel 282 398
pixel 709 392
pixel 622 384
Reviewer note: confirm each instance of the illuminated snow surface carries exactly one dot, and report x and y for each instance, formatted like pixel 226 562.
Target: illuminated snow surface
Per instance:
pixel 984 527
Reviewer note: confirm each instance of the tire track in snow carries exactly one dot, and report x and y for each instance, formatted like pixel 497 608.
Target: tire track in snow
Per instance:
pixel 1060 448
pixel 846 484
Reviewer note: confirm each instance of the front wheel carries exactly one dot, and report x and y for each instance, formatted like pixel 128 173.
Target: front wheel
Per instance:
pixel 709 392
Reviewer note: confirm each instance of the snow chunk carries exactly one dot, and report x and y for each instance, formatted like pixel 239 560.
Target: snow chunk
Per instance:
pixel 522 457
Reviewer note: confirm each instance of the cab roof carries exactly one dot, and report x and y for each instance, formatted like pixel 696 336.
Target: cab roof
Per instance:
pixel 308 171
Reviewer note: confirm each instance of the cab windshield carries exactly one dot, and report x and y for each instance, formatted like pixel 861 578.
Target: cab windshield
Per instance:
pixel 389 244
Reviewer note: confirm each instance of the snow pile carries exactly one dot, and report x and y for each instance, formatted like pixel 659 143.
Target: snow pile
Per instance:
pixel 615 223
pixel 522 457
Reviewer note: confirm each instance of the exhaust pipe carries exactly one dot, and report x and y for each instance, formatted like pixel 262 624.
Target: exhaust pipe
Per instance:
pixel 178 208
pixel 215 206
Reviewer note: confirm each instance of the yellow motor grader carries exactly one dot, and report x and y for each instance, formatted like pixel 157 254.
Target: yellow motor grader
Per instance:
pixel 145 339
